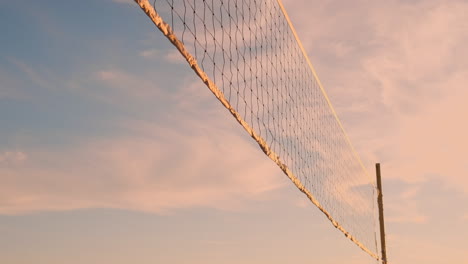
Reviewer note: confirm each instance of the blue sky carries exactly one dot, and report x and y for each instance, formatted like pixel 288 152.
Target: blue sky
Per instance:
pixel 91 93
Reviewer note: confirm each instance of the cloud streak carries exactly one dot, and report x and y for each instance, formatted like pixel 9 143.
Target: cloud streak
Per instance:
pixel 155 170
pixel 190 156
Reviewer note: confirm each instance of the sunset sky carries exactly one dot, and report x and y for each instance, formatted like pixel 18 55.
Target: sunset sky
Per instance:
pixel 113 151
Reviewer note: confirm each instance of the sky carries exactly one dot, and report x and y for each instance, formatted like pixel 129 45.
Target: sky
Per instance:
pixel 112 150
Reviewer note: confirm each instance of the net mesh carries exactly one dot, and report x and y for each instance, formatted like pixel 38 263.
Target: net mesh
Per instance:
pixel 247 53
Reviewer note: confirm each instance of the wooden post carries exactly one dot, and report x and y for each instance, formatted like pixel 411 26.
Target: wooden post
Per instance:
pixel 381 215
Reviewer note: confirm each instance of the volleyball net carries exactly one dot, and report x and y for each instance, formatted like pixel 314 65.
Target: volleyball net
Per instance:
pixel 248 54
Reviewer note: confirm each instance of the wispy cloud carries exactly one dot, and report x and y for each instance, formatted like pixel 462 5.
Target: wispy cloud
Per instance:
pixel 123 1
pixel 403 206
pixel 12 157
pixel 21 80
pixel 32 74
pixel 174 56
pixel 116 85
pixel 155 170
pixel 190 156
pixel 150 53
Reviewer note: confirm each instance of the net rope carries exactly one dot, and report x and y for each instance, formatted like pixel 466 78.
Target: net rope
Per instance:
pixel 248 54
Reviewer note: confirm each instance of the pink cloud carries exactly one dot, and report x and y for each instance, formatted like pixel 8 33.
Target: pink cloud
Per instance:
pixel 396 72
pixel 120 87
pixel 155 169
pixel 12 157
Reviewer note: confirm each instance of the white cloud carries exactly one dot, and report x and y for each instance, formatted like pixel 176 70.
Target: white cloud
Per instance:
pixel 120 86
pixel 149 53
pixel 123 1
pixel 174 56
